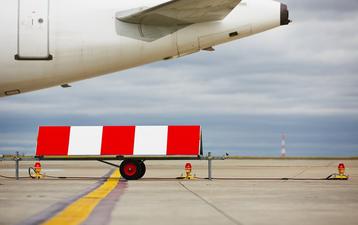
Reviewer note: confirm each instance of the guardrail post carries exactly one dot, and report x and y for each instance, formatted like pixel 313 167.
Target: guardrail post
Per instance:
pixel 17 159
pixel 209 166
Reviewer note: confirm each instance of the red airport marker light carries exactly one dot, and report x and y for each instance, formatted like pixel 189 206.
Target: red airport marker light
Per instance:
pixel 341 169
pixel 37 169
pixel 340 175
pixel 188 169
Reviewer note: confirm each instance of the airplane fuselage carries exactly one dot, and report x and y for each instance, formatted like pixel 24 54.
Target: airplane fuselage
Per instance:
pixel 81 39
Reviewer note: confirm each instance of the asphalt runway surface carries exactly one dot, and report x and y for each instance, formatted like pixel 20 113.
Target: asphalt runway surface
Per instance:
pixel 245 191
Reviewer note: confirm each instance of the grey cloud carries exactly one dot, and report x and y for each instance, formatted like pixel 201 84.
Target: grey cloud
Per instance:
pixel 323 5
pixel 300 79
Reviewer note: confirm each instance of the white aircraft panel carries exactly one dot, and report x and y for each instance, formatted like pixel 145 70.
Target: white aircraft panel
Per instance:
pixel 33 33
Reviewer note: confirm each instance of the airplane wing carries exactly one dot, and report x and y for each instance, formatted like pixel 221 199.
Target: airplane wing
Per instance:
pixel 181 12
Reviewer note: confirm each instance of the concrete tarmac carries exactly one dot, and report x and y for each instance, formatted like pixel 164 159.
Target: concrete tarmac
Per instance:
pixel 243 192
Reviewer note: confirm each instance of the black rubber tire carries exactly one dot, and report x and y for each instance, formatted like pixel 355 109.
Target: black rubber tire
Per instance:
pixel 130 176
pixel 142 169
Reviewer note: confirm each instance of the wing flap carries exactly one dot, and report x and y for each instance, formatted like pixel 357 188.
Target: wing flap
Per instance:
pixel 182 12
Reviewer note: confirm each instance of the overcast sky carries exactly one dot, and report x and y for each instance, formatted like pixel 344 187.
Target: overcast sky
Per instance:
pixel 299 79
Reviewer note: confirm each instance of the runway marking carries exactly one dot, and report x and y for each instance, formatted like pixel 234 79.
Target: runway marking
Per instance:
pixel 103 211
pixel 79 211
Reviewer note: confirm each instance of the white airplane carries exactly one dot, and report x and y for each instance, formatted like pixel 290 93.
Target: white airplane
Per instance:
pixel 46 43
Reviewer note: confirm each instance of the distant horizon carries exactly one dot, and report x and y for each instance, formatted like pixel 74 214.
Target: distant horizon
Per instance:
pixel 246 135
pixel 237 154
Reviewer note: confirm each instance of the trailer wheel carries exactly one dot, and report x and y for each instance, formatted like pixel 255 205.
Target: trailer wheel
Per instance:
pixel 143 169
pixel 131 169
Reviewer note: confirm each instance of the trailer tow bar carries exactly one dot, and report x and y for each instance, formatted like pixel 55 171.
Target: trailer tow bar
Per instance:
pixel 112 164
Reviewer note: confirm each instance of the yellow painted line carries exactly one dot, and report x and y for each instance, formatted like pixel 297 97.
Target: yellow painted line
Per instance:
pixel 78 211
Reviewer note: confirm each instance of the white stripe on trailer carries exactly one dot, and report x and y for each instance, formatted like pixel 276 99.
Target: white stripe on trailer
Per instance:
pixel 150 140
pixel 85 140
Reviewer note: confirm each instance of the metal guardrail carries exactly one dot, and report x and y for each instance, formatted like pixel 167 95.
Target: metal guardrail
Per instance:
pixel 86 158
pixel 296 157
pixel 17 158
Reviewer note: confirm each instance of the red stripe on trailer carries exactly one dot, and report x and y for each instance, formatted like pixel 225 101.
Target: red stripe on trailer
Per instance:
pixel 53 141
pixel 118 140
pixel 183 140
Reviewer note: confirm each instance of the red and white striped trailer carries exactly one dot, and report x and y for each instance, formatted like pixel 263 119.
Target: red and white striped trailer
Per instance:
pixel 132 144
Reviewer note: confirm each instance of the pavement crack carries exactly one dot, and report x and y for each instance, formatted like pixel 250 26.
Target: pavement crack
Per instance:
pixel 233 220
pixel 301 172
